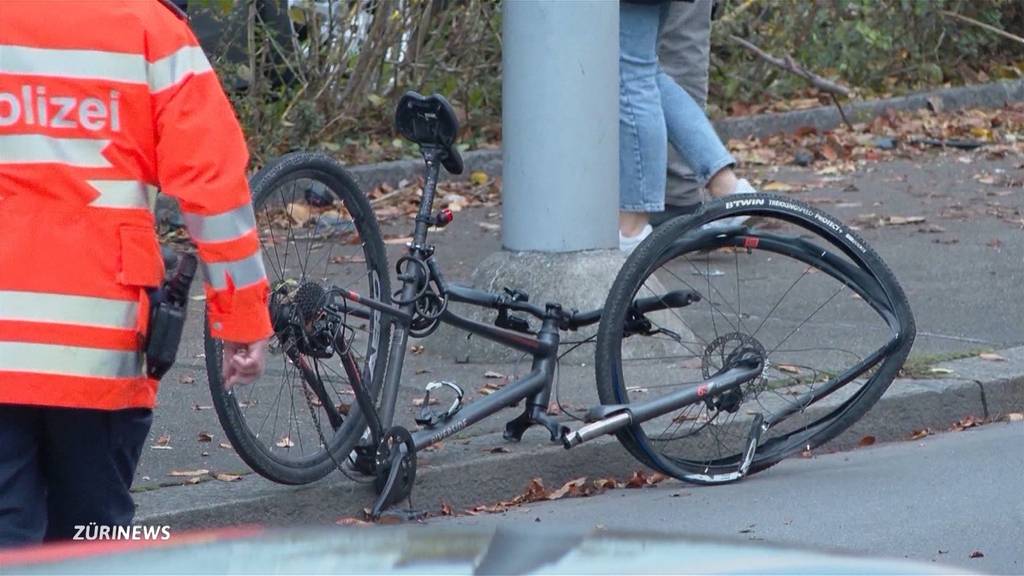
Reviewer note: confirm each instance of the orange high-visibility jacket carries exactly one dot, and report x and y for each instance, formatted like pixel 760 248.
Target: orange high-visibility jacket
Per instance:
pixel 101 103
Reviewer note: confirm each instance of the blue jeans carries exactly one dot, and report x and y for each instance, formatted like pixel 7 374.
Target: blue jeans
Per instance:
pixel 654 110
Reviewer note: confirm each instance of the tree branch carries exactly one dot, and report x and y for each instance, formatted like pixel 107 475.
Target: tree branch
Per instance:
pixel 790 65
pixel 988 27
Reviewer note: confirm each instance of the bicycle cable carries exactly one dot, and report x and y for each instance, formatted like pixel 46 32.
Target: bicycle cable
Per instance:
pixel 574 344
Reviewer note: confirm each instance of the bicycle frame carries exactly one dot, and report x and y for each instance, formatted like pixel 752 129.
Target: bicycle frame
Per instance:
pixel 535 387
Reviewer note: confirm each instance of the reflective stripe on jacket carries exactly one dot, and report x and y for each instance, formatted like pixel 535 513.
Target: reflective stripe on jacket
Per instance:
pixel 101 104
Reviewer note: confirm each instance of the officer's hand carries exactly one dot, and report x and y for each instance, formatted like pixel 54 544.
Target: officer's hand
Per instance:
pixel 244 363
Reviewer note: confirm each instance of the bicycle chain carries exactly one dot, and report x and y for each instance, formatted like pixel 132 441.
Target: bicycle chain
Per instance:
pixel 319 431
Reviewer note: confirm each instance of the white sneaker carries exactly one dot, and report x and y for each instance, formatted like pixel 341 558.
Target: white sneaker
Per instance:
pixel 629 243
pixel 742 187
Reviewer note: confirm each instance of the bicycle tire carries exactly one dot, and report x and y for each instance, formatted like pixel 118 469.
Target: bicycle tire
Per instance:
pixel 254 452
pixel 679 237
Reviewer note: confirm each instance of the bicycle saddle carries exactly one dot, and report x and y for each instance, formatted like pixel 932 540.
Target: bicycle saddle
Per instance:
pixel 430 122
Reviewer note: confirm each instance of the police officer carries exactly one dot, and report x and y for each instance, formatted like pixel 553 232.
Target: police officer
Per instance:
pixel 102 103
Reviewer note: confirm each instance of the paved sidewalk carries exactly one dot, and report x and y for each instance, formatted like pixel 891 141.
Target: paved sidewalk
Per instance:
pixel 962 272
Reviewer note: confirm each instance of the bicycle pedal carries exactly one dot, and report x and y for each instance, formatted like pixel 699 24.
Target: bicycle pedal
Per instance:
pixel 428 417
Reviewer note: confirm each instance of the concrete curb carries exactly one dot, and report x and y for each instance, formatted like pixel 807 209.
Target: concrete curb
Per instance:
pixel 465 472
pixel 991 95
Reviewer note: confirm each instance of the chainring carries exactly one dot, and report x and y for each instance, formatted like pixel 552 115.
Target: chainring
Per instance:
pixel 389 443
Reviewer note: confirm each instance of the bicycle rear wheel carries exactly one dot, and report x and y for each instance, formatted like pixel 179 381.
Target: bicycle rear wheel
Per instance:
pixel 792 285
pixel 317 231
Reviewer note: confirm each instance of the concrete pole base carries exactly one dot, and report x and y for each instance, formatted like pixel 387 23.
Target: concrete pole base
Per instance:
pixel 579 280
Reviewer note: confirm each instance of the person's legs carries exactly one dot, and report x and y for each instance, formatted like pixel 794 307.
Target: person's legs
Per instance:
pixel 691 133
pixel 642 135
pixel 22 491
pixel 89 461
pixel 684 48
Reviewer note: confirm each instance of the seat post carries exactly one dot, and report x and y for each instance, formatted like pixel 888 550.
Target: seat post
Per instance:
pixel 432 157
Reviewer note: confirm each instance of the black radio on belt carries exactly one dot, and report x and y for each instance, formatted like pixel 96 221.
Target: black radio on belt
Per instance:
pixel 168 306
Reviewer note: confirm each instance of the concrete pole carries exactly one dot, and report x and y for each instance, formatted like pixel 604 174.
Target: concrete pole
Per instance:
pixel 560 119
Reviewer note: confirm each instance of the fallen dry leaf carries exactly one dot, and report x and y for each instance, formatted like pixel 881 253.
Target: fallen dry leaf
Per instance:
pixel 186 379
pixel 162 443
pixel 205 437
pixel 350 521
pixel 478 178
pixel 490 388
pixel 419 401
pixel 535 491
pixel 299 213
pixel 493 374
pixel 223 477
pixel 656 478
pixel 570 488
pixel 188 473
pixel 919 434
pixel 991 357
pixel 867 441
pixel 788 369
pixel 499 450
pixel 446 509
pixel 637 480
pixel 965 423
pixel 353 259
pixel 901 220
pixel 226 446
pixel 285 442
pixel 778 187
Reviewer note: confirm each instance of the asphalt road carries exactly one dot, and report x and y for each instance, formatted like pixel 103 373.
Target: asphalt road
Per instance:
pixel 940 499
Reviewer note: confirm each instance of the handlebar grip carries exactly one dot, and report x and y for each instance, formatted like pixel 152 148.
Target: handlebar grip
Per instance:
pixel 673 299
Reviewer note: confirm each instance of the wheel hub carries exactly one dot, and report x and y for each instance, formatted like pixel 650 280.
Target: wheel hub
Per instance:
pixel 302 315
pixel 726 351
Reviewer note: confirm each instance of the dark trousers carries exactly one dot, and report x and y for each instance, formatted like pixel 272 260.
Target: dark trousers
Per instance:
pixel 60 468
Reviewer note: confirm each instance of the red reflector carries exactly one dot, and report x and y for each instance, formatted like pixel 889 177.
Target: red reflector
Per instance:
pixel 751 242
pixel 445 217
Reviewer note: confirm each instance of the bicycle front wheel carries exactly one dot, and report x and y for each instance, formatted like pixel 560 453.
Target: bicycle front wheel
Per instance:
pixel 317 231
pixel 774 278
